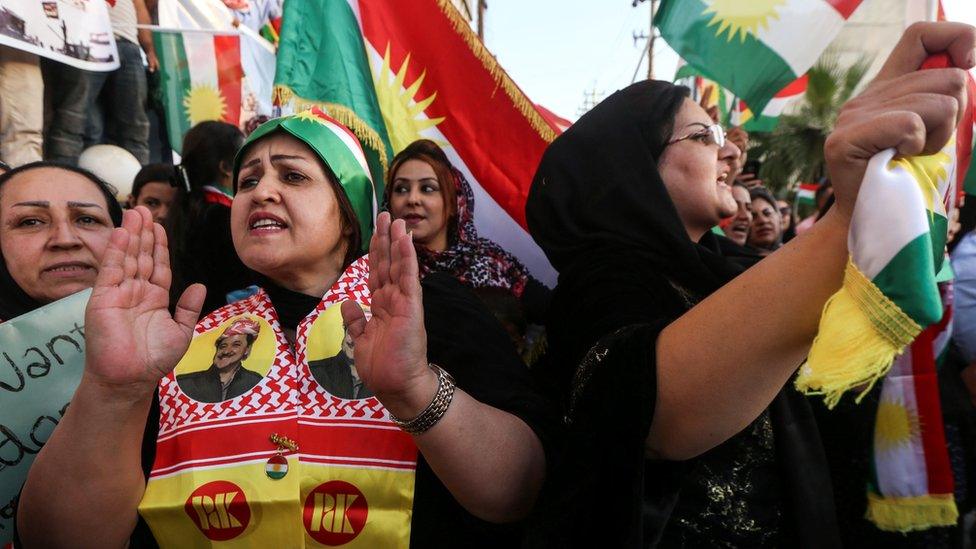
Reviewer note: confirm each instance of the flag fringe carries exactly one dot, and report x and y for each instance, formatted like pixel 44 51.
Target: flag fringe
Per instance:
pixel 346 116
pixel 522 103
pixel 906 514
pixel 861 332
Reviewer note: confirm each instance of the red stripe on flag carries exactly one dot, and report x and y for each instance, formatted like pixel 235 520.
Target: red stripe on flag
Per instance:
pixel 795 87
pixel 930 410
pixel 229 74
pixel 496 141
pixel 940 14
pixel 845 7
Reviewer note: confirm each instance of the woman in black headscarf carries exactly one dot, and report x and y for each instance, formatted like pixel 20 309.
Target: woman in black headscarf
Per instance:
pixel 647 349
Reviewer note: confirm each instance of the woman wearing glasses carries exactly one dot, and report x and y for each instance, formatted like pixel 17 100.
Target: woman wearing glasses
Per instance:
pixel 680 431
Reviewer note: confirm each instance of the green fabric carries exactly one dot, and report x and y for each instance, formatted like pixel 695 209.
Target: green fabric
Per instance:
pixel 322 58
pixel 748 68
pixel 174 84
pixel 907 276
pixel 312 129
pixel 969 184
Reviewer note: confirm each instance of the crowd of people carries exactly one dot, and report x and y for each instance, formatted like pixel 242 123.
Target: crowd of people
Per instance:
pixel 262 291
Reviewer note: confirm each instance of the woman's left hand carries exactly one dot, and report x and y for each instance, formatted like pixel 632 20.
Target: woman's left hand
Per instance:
pixel 391 348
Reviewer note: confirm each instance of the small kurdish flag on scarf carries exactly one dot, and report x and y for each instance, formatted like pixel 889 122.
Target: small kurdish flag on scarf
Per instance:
pixel 912 486
pixel 754 48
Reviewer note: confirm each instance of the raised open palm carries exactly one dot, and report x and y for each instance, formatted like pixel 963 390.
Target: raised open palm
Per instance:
pixel 391 348
pixel 132 340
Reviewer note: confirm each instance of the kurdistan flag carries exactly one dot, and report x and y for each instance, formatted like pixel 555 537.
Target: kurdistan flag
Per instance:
pixel 769 117
pixel 203 60
pixel 753 48
pixel 736 112
pixel 911 485
pixel 395 72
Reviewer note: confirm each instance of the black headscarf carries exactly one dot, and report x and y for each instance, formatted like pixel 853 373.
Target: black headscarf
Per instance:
pixel 14 301
pixel 600 211
pixel 598 192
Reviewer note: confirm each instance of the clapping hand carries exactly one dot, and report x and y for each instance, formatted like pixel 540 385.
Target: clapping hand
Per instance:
pixel 132 340
pixel 391 348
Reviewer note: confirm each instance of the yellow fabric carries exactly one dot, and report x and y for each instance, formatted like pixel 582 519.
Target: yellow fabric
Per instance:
pixel 912 513
pixel 179 517
pixel 861 332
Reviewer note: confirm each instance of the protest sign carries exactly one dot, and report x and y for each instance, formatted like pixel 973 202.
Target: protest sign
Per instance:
pixel 42 357
pixel 75 32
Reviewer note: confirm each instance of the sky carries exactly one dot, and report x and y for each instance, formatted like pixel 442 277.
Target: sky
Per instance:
pixel 561 51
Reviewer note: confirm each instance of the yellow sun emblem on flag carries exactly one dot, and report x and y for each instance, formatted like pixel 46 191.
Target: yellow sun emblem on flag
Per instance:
pixel 403 111
pixel 742 17
pixel 927 171
pixel 896 425
pixel 204 103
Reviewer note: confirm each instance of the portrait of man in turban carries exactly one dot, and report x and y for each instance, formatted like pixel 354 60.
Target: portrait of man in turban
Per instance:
pixel 227 377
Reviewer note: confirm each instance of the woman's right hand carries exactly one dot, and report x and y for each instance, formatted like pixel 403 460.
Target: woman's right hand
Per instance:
pixel 132 340
pixel 912 111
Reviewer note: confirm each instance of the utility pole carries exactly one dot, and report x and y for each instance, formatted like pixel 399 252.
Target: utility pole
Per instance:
pixel 482 6
pixel 650 42
pixel 590 98
pixel 649 36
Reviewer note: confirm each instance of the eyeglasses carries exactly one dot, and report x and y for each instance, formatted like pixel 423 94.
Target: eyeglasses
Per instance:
pixel 707 135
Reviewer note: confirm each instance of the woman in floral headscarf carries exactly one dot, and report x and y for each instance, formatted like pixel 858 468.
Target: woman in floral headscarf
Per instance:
pixel 427 461
pixel 437 204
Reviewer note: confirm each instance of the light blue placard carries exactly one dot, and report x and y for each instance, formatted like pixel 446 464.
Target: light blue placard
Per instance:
pixel 42 356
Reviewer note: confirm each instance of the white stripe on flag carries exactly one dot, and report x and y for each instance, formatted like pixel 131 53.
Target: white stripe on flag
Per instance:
pixel 901 468
pixel 202 59
pixel 802 32
pixel 884 193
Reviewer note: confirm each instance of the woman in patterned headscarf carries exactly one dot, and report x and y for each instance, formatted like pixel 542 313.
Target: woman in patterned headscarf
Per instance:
pixel 437 204
pixel 465 453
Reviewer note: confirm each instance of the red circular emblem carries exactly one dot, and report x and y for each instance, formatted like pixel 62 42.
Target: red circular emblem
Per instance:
pixel 335 512
pixel 219 509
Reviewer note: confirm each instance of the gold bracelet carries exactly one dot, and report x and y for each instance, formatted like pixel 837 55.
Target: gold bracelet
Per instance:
pixel 435 410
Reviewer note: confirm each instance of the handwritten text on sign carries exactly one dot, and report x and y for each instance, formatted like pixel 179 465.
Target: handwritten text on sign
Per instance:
pixel 42 357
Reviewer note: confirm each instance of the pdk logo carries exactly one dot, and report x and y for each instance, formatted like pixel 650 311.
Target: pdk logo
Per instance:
pixel 219 509
pixel 335 512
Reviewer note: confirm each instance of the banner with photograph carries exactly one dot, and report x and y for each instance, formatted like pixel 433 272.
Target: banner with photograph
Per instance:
pixel 42 357
pixel 75 32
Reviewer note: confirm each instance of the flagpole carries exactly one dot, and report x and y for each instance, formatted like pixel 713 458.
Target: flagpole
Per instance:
pixel 158 28
pixel 237 31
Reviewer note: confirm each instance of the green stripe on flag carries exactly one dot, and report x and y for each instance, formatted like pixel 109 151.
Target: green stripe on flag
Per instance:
pixel 322 59
pixel 969 184
pixel 749 68
pixel 175 84
pixel 906 276
pixel 761 123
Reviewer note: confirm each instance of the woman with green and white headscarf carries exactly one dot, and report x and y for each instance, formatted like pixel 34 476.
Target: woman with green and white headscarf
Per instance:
pixel 427 461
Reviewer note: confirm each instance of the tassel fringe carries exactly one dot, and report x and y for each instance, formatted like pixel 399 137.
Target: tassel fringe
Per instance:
pixel 911 513
pixel 521 102
pixel 346 116
pixel 861 332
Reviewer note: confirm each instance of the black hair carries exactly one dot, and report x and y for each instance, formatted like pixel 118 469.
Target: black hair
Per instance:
pixel 153 173
pixel 108 191
pixel 763 192
pixel 205 147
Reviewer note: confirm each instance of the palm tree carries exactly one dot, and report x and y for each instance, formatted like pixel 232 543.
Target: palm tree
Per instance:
pixel 793 152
